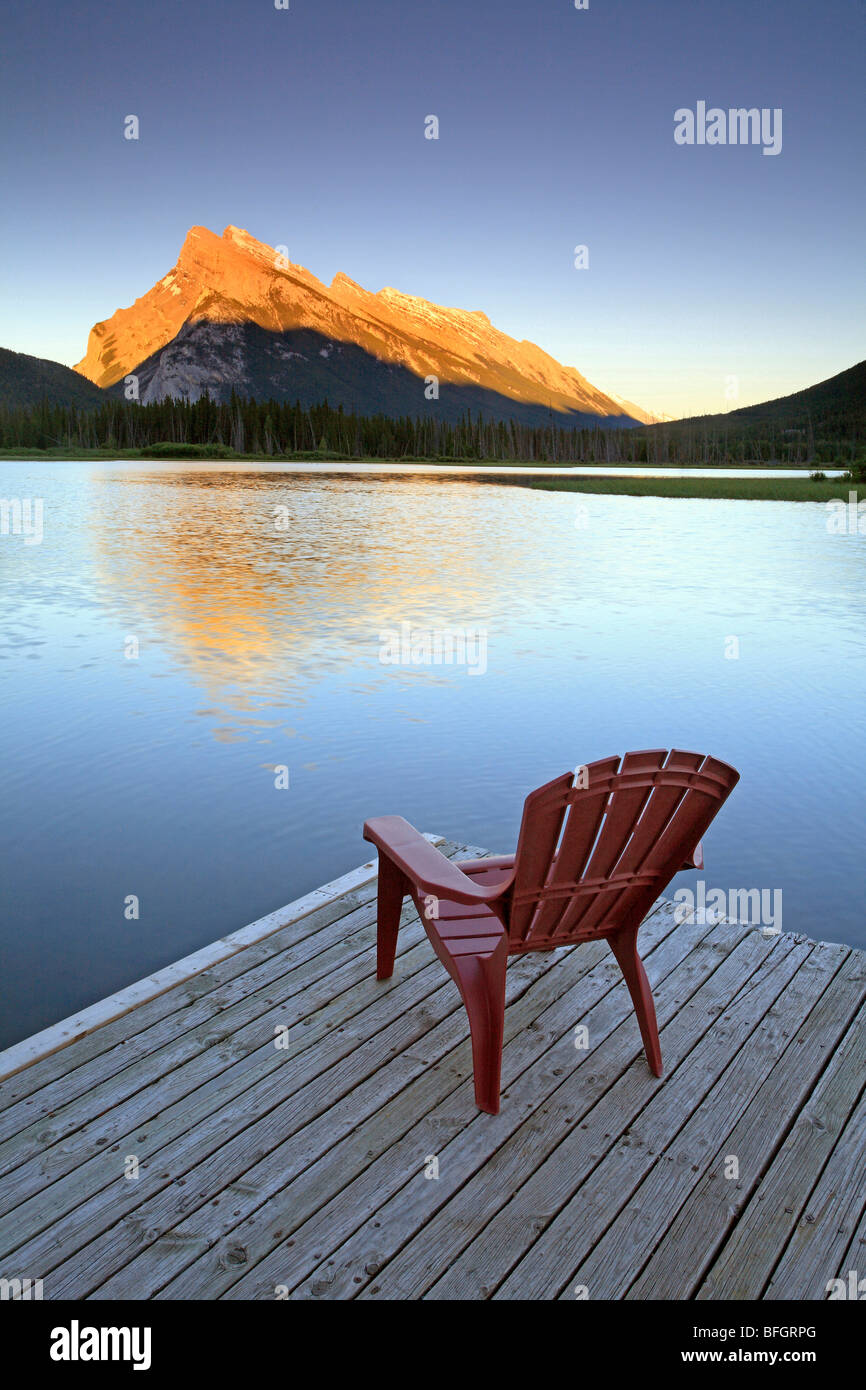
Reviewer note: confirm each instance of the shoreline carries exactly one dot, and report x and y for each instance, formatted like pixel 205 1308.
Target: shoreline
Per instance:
pixel 710 489
pixel 744 483
pixel 364 463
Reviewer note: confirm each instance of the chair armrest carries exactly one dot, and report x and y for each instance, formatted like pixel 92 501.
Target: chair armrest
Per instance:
pixel 697 858
pixel 423 864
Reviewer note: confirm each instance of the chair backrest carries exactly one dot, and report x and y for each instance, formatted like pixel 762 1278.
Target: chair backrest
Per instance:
pixel 596 850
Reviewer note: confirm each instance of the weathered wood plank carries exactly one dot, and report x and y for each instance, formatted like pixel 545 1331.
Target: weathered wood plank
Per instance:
pixel 542 1226
pixel 699 1229
pixel 239 1181
pixel 609 1267
pixel 544 1045
pixel 854 1258
pixel 478 1168
pixel 249 1117
pixel 215 1116
pixel 754 1247
pixel 679 968
pixel 815 1251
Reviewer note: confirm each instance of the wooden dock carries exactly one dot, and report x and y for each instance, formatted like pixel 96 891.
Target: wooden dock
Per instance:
pixel 264 1120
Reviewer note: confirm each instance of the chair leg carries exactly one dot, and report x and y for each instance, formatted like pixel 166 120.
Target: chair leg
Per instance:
pixel 624 947
pixel 482 985
pixel 393 888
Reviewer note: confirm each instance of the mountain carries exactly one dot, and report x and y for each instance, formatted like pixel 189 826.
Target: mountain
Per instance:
pixel 234 315
pixel 635 411
pixel 835 407
pixel 26 381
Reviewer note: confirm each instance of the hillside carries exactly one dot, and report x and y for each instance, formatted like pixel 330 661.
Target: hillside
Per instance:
pixel 835 408
pixel 27 381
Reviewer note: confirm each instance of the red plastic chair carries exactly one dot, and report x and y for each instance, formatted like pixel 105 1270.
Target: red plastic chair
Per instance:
pixel 591 860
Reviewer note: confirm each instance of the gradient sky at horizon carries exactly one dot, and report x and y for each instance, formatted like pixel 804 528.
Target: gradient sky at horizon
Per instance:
pixel 306 127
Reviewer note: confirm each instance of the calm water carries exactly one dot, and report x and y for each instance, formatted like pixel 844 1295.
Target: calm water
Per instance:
pixel 260 647
pixel 583 470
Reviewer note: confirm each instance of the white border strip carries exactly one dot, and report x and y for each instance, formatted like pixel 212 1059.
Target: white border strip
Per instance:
pixel 59 1035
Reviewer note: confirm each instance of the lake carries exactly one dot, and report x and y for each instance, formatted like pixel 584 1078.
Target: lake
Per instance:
pixel 183 633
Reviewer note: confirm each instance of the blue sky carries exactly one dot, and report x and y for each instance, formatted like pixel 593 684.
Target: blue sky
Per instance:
pixel 306 127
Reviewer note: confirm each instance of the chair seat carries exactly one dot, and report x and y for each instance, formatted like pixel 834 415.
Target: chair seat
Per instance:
pixel 475 930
